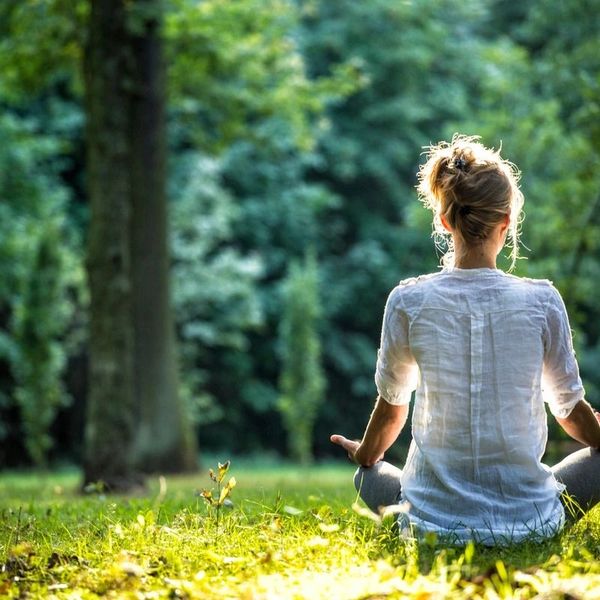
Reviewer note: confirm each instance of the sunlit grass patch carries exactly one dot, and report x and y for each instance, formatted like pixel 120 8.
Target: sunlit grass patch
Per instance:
pixel 290 533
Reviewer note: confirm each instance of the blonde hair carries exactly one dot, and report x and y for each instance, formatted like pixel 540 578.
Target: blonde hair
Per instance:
pixel 474 189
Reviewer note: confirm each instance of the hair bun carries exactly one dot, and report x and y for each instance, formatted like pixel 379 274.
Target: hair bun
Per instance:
pixel 460 164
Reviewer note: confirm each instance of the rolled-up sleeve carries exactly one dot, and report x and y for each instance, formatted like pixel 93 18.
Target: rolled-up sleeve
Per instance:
pixel 396 375
pixel 563 388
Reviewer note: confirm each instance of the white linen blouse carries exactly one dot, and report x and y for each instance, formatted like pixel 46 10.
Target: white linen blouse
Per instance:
pixel 476 345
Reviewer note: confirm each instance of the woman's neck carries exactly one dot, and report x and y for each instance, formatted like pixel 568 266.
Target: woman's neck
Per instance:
pixel 477 257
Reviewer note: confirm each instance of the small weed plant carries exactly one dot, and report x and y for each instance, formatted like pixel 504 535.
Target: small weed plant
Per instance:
pixel 292 533
pixel 217 501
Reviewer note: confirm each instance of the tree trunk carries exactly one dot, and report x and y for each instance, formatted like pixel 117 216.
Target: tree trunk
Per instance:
pixel 164 439
pixel 109 423
pixel 135 418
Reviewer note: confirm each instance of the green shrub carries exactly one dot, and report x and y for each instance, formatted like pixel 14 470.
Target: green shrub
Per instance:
pixel 302 382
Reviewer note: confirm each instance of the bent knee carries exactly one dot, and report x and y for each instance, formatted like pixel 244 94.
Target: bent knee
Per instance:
pixel 364 474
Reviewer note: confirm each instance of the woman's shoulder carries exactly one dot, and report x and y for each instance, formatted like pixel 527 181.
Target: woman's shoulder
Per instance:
pixel 419 279
pixel 544 286
pixel 407 288
pixel 542 292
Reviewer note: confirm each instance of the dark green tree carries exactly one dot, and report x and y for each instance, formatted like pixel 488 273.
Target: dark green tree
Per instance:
pixel 40 287
pixel 40 322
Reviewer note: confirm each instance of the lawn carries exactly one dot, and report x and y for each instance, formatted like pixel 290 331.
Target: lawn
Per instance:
pixel 290 533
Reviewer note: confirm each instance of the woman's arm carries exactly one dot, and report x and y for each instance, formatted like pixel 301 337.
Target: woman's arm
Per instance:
pixel 582 424
pixel 385 424
pixel 396 376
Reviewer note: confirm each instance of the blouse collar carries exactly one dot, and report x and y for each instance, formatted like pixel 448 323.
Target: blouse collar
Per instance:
pixel 473 272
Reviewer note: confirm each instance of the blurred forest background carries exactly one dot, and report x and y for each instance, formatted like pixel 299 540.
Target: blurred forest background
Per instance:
pixel 287 136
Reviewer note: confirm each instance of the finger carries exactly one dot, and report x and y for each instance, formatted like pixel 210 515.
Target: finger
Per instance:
pixel 338 439
pixel 348 445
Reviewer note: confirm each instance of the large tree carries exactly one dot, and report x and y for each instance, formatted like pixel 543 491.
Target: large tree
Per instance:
pixel 132 352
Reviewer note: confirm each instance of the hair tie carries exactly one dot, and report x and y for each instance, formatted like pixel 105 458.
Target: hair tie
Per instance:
pixel 460 163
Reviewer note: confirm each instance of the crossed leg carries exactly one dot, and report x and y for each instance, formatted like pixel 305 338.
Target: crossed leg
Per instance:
pixel 379 485
pixel 580 473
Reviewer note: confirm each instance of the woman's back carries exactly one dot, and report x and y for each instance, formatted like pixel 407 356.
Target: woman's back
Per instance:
pixel 480 338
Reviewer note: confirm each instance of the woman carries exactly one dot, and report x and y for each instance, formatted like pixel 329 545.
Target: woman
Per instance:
pixel 484 350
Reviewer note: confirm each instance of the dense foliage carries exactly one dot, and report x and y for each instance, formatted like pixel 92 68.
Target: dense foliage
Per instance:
pixel 291 125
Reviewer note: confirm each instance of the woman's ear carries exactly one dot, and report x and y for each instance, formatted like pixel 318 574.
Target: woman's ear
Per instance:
pixel 505 222
pixel 445 223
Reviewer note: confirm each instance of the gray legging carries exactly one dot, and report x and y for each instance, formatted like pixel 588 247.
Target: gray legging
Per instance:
pixel 379 485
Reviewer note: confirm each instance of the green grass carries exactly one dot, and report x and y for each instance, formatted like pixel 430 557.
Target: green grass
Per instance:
pixel 291 533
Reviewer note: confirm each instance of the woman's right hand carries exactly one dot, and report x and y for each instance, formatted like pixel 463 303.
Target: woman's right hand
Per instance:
pixel 353 448
pixel 350 446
